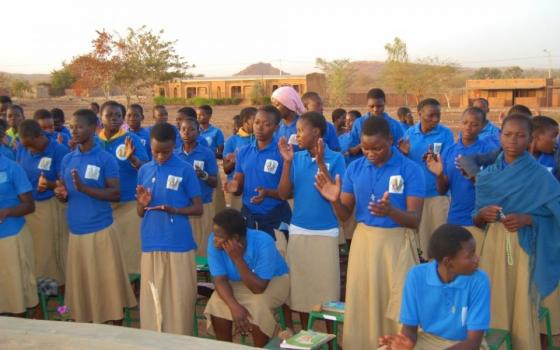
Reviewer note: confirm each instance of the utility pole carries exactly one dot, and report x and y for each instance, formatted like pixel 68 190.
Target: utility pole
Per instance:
pixel 549 63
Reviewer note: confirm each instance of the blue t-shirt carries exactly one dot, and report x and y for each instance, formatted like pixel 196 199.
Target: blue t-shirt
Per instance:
pixel 66 131
pixel 345 141
pixel 405 126
pixel 213 136
pixel 261 256
pixel 53 136
pixel 311 210
pixel 203 158
pixel 439 137
pixel 490 130
pixel 86 214
pixel 399 176
pixel 13 182
pixel 233 144
pixel 47 162
pixel 461 189
pixel 547 160
pixel 449 310
pixel 7 152
pixel 260 168
pixel 144 135
pixel 173 183
pixel 127 173
pixel 289 131
pixel 394 125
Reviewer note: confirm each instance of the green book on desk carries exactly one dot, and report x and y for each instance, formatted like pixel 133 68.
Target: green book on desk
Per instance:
pixel 306 340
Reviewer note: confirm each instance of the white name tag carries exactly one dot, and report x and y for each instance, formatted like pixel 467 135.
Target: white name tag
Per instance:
pixel 292 140
pixel 270 166
pixel 120 152
pixel 396 184
pixel 437 147
pixel 92 172
pixel 45 164
pixel 209 140
pixel 173 182
pixel 143 142
pixel 198 164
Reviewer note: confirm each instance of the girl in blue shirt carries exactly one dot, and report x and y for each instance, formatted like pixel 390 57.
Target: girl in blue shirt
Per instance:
pixel 97 287
pixel 18 289
pixel 127 149
pixel 41 159
pixel 251 279
pixel 448 298
pixel 134 118
pixel 202 159
pixel 313 245
pixel 5 149
pixel 386 189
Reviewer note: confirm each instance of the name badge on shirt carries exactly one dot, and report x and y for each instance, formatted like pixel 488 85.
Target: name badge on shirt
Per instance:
pixel 45 164
pixel 209 140
pixel 396 184
pixel 549 168
pixel 198 164
pixel 270 166
pixel 143 142
pixel 120 152
pixel 92 172
pixel 437 147
pixel 292 140
pixel 173 182
pixel 3 177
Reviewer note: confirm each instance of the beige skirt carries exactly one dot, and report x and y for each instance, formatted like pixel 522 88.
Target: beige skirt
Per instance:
pixel 18 287
pixel 127 225
pixel 427 341
pixel 47 235
pixel 174 276
pixel 379 261
pixel 201 228
pixel 314 271
pixel 97 287
pixel 218 197
pixel 236 202
pixel 260 306
pixel 349 226
pixel 64 233
pixel 478 236
pixel 511 305
pixel 434 214
pixel 552 303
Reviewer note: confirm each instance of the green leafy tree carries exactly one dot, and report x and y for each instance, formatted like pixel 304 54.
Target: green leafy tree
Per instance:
pixel 487 73
pixel 397 71
pixel 258 93
pixel 20 87
pixel 513 72
pixel 61 80
pixel 339 76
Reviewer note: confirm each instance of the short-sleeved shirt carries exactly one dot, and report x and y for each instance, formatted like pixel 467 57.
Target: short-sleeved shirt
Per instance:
pixel 261 256
pixel 289 131
pixel 53 136
pixel 47 162
pixel 66 131
pixel 86 214
pixel 394 126
pixel 233 144
pixel 144 135
pixel 490 131
pixel 7 152
pixel 399 176
pixel 311 210
pixel 438 138
pixel 345 141
pixel 260 168
pixel 127 173
pixel 172 183
pixel 548 161
pixel 13 183
pixel 203 158
pixel 447 310
pixel 214 137
pixel 460 188
pixel 405 126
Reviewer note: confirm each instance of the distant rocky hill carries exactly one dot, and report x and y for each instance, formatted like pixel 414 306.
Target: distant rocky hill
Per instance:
pixel 261 69
pixel 31 78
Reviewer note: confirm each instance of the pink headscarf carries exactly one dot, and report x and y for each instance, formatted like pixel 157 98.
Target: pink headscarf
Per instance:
pixel 289 97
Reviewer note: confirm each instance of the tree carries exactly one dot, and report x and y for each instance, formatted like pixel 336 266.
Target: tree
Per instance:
pixel 20 87
pixel 258 93
pixel 487 73
pixel 398 70
pixel 513 72
pixel 396 52
pixel 4 84
pixel 440 77
pixel 61 80
pixel 339 75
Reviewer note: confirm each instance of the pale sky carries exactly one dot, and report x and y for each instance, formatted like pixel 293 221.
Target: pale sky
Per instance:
pixel 222 37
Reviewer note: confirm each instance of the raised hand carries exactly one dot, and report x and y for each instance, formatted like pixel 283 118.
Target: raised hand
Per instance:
pixel 60 191
pixel 231 186
pixel 382 207
pixel 76 180
pixel 259 198
pixel 42 184
pixel 328 189
pixel 286 150
pixel 59 138
pixel 143 196
pixel 404 146
pixel 128 147
pixel 320 155
pixel 434 164
pixel 513 222
pixel 230 157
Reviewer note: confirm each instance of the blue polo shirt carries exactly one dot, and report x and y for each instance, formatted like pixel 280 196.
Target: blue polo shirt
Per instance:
pixel 233 143
pixel 399 176
pixel 47 162
pixel 54 137
pixel 405 126
pixel 66 131
pixel 394 125
pixel 13 182
pixel 311 210
pixel 202 157
pixel 173 183
pixel 127 173
pixel 7 152
pixel 213 136
pixel 144 136
pixel 86 214
pixel 489 130
pixel 178 140
pixel 547 160
pixel 461 189
pixel 261 256
pixel 345 141
pixel 447 310
pixel 420 143
pixel 289 132
pixel 260 168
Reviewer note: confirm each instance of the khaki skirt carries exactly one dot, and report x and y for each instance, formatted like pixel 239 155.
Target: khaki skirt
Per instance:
pixel 434 214
pixel 127 225
pixel 314 271
pixel 379 261
pixel 97 287
pixel 201 228
pixel 47 235
pixel 260 306
pixel 511 305
pixel 174 276
pixel 478 236
pixel 552 303
pixel 349 226
pixel 236 202
pixel 427 341
pixel 218 197
pixel 64 233
pixel 18 286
